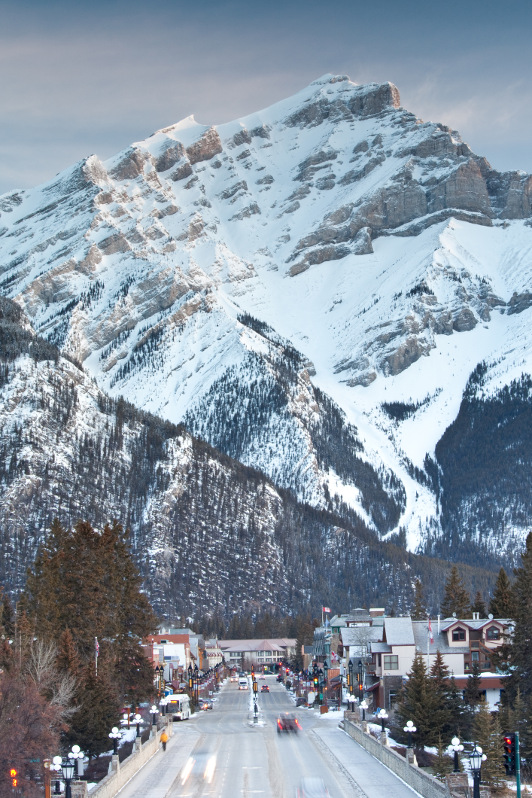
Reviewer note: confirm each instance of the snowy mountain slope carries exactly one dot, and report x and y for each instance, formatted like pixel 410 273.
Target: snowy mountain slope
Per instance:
pixel 210 535
pixel 380 248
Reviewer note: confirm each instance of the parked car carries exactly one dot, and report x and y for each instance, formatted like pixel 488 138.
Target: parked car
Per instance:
pixel 287 723
pixel 265 688
pixel 206 703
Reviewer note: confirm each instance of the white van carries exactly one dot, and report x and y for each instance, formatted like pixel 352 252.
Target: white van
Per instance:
pixel 243 683
pixel 178 706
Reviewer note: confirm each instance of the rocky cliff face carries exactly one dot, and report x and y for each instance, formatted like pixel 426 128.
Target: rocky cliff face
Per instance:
pixel 378 259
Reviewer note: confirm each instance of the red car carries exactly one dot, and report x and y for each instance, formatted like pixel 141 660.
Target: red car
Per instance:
pixel 265 688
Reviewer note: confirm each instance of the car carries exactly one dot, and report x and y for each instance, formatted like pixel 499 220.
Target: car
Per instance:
pixel 206 703
pixel 233 677
pixel 287 723
pixel 312 787
pixel 301 702
pixel 200 766
pixel 265 688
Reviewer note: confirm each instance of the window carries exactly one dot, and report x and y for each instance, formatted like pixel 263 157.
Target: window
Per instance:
pixel 493 633
pixel 475 656
pixel 458 634
pixel 391 662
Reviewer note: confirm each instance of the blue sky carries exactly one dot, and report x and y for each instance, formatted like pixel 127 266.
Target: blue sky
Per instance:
pixel 85 77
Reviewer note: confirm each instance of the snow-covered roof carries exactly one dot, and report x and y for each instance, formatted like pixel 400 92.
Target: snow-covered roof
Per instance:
pixel 360 635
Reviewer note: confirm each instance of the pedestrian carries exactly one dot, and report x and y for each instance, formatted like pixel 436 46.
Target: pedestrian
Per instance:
pixel 164 740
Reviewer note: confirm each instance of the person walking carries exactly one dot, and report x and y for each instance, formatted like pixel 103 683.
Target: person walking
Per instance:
pixel 164 740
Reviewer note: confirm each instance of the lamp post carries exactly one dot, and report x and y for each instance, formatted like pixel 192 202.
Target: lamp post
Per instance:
pixel 325 677
pixel 196 683
pixel 115 734
pixel 56 766
pixel 456 746
pixel 67 767
pixel 138 720
pixel 476 757
pixel 360 674
pixel 350 668
pixel 190 681
pixel 383 717
pixel 78 755
pixel 363 707
pixel 154 712
pixel 409 729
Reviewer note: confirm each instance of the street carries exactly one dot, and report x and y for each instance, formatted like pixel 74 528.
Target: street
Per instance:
pixel 245 759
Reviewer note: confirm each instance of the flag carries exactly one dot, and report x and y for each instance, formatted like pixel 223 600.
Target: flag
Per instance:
pixel 325 609
pixel 96 646
pixel 431 636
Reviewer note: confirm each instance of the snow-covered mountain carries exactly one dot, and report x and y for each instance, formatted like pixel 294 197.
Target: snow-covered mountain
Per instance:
pixel 310 289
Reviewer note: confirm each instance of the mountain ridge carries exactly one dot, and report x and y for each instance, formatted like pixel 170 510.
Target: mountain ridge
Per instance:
pixel 378 247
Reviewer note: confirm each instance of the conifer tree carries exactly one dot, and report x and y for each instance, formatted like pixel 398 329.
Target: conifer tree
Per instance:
pixel 456 598
pixel 86 581
pixel 487 734
pixel 448 704
pixel 478 605
pixel 419 610
pixel 521 644
pixel 417 703
pixel 443 764
pixel 502 601
pixel 98 710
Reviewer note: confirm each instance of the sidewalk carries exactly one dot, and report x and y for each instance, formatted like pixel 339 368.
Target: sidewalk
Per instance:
pixel 160 772
pixel 370 778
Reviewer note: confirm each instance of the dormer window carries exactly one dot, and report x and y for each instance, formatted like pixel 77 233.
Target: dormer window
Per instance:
pixel 493 633
pixel 458 634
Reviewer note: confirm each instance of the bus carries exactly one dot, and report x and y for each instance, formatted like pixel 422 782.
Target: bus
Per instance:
pixel 178 706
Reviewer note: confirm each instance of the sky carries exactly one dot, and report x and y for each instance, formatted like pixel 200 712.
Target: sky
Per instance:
pixel 83 77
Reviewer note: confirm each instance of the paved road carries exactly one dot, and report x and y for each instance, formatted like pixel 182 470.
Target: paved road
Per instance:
pixel 254 760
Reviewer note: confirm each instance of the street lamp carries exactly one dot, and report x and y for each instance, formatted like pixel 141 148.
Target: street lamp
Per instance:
pixel 350 668
pixel 138 720
pixel 78 755
pixel 409 729
pixel 476 757
pixel 360 678
pixel 154 712
pixel 363 707
pixel 115 734
pixel 67 767
pixel 56 766
pixel 352 701
pixel 383 717
pixel 456 746
pixel 196 683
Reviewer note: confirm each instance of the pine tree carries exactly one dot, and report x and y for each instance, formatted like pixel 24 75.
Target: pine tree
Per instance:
pixel 487 734
pixel 502 601
pixel 479 606
pixel 86 581
pixel 444 763
pixel 521 644
pixel 419 610
pixel 98 711
pixel 456 598
pixel 417 703
pixel 448 704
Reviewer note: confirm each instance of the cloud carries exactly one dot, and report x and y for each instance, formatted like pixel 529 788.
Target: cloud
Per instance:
pixel 93 77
